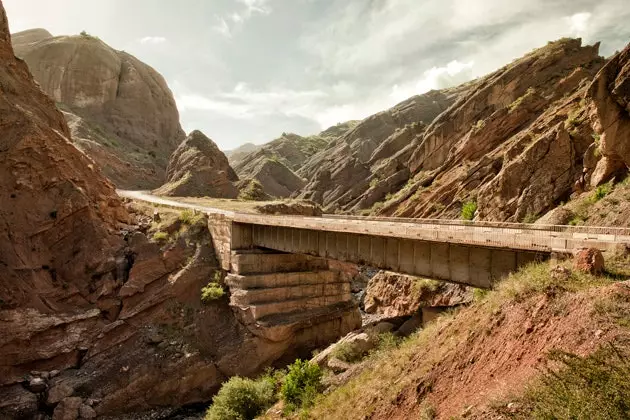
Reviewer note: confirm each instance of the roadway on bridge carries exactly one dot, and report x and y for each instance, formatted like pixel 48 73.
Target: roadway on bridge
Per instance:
pixel 544 238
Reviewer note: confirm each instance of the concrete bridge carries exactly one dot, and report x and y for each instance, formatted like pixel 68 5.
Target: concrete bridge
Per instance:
pixel 474 254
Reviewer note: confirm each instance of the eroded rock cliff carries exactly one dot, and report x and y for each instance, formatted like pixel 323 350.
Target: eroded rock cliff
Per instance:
pixel 198 168
pixel 120 110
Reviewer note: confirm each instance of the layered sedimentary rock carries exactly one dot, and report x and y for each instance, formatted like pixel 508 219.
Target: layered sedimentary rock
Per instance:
pixel 609 114
pixel 198 168
pixel 119 109
pixel 515 144
pixel 361 167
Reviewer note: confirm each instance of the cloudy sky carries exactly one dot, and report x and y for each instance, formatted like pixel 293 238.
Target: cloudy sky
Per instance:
pixel 247 70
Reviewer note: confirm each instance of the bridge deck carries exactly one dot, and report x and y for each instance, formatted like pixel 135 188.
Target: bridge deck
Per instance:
pixel 516 236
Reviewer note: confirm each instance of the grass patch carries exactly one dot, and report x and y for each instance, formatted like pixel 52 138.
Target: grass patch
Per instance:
pixel 601 192
pixel 211 292
pixel 468 210
pixel 535 278
pixel 517 102
pixel 478 125
pixel 160 236
pixel 374 182
pixel 594 387
pixel 530 218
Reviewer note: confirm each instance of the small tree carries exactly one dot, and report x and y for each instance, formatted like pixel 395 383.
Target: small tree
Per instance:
pixel 302 384
pixel 242 399
pixel 468 210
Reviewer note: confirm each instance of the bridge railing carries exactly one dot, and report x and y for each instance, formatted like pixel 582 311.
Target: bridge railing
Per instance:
pixel 593 230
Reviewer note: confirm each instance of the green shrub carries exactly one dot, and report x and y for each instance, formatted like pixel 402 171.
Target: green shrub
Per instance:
pixel 514 105
pixel 186 216
pixel 160 236
pixel 468 210
pixel 530 218
pixel 211 292
pixel 242 399
pixel 601 192
pixel 374 182
pixel 345 352
pixel 301 385
pixel 478 125
pixel 593 387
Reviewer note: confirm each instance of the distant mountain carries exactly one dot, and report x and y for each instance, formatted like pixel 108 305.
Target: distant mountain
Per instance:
pixel 274 164
pixel 235 155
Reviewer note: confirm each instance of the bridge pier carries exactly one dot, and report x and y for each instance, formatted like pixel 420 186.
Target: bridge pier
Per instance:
pixel 283 296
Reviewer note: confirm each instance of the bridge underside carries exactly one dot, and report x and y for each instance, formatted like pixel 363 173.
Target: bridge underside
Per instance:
pixel 476 266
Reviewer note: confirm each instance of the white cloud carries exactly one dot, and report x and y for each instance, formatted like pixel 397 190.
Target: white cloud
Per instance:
pixel 452 74
pixel 222 27
pixel 153 40
pixel 244 103
pixel 578 23
pixel 226 24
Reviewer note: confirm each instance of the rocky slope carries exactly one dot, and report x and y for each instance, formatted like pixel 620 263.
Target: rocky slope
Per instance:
pixel 512 142
pixel 120 110
pixel 198 168
pixel 483 361
pixel 358 168
pixel 274 164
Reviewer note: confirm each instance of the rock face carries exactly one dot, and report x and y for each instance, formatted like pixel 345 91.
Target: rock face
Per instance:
pixel 515 144
pixel 274 164
pixel 120 110
pixel 73 211
pixel 363 165
pixel 199 169
pixel 396 295
pixel 276 179
pixel 609 103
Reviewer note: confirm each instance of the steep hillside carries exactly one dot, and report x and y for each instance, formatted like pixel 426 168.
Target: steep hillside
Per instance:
pixel 514 146
pixel 488 361
pixel 198 168
pixel 511 142
pixel 120 110
pixel 361 161
pixel 275 163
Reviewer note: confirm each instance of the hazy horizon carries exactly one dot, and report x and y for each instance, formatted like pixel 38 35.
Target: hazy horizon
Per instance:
pixel 244 71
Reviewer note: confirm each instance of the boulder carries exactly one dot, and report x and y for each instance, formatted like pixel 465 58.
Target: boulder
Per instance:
pixel 293 208
pixel 199 169
pixel 395 295
pixel 557 216
pixel 589 260
pixel 86 412
pixel 68 409
pixel 338 366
